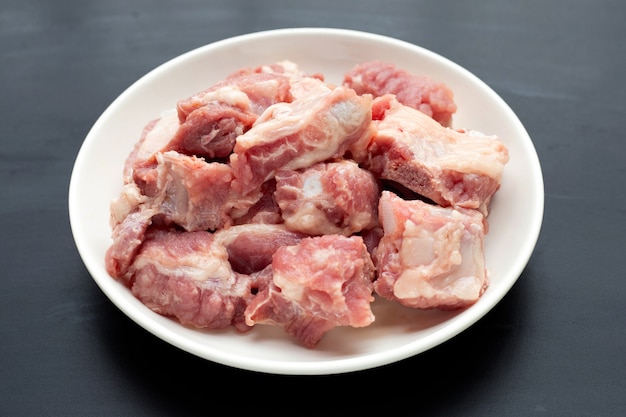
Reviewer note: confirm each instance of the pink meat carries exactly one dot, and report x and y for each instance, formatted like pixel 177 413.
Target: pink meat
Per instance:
pixel 210 131
pixel 318 284
pixel 452 168
pixel 300 134
pixel 185 275
pixel 250 247
pixel 328 198
pixel 420 92
pixel 429 256
pixel 128 235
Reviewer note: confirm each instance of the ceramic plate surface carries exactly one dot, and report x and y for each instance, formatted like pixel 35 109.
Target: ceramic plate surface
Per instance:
pixel 398 332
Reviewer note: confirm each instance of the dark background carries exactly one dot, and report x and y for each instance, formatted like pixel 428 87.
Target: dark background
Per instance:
pixel 554 346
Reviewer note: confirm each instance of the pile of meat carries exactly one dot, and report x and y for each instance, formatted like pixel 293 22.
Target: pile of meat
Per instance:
pixel 276 198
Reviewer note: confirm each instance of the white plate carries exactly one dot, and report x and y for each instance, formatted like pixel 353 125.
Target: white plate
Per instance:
pixel 398 332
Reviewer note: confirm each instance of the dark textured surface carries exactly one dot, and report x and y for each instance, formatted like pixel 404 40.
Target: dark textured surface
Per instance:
pixel 554 346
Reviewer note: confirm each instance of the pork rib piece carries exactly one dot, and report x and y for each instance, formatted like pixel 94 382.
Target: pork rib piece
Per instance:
pixel 299 134
pixel 319 284
pixel 193 193
pixel 186 191
pixel 328 198
pixel 210 131
pixel 429 256
pixel 452 168
pixel 213 118
pixel 187 276
pixel 421 92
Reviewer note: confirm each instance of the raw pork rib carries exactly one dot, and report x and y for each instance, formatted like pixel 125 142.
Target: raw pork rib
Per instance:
pixel 452 168
pixel 298 134
pixel 328 198
pixel 421 92
pixel 318 284
pixel 212 119
pixel 186 191
pixel 187 276
pixel 210 131
pixel 429 256
pixel 192 193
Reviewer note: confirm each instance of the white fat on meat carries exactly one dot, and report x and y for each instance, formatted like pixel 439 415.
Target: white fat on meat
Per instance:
pixel 430 256
pixel 450 167
pixel 227 94
pixel 129 200
pixel 297 135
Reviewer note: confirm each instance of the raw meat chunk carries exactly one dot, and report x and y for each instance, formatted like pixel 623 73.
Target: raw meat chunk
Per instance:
pixel 187 192
pixel 213 118
pixel 299 134
pixel 210 131
pixel 128 235
pixel 187 276
pixel 328 198
pixel 194 194
pixel 429 256
pixel 318 284
pixel 420 92
pixel 452 168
